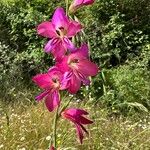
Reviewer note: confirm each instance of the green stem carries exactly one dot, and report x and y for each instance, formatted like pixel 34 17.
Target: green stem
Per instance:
pixel 50 143
pixel 65 106
pixel 67 5
pixel 54 128
pixel 104 82
pixel 56 117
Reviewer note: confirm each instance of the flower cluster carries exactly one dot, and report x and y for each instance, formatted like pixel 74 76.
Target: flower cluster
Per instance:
pixel 72 67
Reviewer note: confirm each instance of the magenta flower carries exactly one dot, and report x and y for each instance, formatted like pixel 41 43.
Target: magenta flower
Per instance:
pixel 76 116
pixel 52 148
pixel 51 84
pixel 79 3
pixel 60 30
pixel 77 68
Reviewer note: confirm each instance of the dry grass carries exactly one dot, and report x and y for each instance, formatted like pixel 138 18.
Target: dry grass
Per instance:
pixel 28 127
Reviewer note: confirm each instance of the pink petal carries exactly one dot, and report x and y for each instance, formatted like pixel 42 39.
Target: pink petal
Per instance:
pixel 83 78
pixel 51 44
pixel 59 51
pixel 78 2
pixel 79 133
pixel 52 148
pixel 55 72
pixel 83 128
pixel 74 84
pixel 76 112
pixel 80 53
pixel 68 44
pixel 60 19
pixel 64 85
pixel 87 67
pixel 73 28
pixel 67 75
pixel 46 29
pixel 84 50
pixel 41 95
pixel 84 120
pixel 88 2
pixel 65 80
pixel 83 2
pixel 42 80
pixel 52 100
pixel 62 64
pixel 75 116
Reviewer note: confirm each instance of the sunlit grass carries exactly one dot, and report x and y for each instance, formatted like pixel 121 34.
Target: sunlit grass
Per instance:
pixel 28 127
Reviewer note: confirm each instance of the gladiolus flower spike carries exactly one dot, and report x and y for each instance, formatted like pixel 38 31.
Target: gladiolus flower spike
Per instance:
pixel 72 68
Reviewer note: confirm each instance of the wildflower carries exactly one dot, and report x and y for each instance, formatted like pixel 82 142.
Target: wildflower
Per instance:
pixel 1 146
pixel 22 139
pixel 52 148
pixel 48 138
pixel 79 3
pixel 76 116
pixel 59 30
pixel 51 84
pixel 77 68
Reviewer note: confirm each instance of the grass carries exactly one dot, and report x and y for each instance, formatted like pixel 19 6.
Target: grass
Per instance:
pixel 28 127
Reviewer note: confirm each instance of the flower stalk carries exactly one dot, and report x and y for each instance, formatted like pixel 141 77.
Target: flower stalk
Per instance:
pixel 65 106
pixel 55 128
pixel 68 44
pixel 67 6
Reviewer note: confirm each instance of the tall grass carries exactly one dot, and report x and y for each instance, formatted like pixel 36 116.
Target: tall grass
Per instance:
pixel 28 127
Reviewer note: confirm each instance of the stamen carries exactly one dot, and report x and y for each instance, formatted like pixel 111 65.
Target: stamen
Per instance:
pixel 75 61
pixel 61 31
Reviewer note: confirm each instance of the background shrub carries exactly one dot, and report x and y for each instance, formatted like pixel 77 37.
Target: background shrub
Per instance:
pixel 118 32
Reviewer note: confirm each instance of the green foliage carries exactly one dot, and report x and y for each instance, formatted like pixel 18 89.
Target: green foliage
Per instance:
pixel 130 85
pixel 127 86
pixel 21 50
pixel 118 31
pixel 123 88
pixel 19 20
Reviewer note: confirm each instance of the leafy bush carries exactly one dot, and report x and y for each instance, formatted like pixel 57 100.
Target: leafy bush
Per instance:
pixel 21 50
pixel 125 87
pixel 118 31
